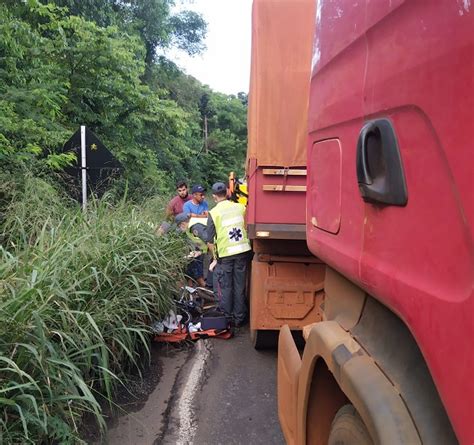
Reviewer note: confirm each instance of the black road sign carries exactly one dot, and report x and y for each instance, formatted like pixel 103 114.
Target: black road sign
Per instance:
pixel 101 165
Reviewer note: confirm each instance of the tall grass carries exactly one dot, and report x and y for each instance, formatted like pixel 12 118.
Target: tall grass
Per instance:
pixel 77 292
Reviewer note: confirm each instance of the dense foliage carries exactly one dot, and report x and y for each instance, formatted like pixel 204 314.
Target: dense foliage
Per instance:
pixel 77 293
pixel 99 68
pixel 78 290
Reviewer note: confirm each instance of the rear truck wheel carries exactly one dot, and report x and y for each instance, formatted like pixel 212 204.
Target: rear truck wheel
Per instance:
pixel 348 428
pixel 263 339
pixel 362 381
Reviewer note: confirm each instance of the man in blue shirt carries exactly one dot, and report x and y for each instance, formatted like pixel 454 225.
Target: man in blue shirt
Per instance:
pixel 197 207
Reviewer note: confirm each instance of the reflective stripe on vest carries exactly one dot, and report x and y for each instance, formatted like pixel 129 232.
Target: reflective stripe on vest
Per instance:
pixel 231 236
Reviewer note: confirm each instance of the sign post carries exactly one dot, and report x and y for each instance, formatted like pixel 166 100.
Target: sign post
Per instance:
pixel 94 168
pixel 83 167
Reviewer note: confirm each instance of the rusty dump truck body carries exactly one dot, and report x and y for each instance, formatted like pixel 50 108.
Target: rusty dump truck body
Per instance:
pixel 286 279
pixel 383 274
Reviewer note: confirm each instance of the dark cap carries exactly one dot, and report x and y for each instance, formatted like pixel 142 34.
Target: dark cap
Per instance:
pixel 219 187
pixel 198 189
pixel 181 217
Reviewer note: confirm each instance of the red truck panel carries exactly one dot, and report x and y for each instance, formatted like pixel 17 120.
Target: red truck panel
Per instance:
pixel 278 105
pixel 324 198
pixel 275 207
pixel 412 63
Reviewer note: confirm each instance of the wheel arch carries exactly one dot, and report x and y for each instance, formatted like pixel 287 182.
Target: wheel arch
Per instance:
pixel 362 338
pixel 359 378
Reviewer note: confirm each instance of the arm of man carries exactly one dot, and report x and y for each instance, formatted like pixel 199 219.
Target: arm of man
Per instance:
pixel 211 234
pixel 200 215
pixel 203 209
pixel 169 210
pixel 186 208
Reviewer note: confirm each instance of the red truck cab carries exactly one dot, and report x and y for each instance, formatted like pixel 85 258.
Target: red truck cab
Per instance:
pixel 390 211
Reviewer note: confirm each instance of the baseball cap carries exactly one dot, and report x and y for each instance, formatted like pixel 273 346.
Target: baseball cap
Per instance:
pixel 219 187
pixel 181 217
pixel 198 189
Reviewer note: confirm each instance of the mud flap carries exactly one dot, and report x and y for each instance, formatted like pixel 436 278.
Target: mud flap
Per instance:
pixel 289 365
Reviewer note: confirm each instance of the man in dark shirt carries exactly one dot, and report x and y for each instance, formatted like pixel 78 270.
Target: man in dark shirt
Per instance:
pixel 175 206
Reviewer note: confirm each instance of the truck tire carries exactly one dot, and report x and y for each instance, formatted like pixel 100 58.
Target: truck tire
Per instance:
pixel 263 339
pixel 348 428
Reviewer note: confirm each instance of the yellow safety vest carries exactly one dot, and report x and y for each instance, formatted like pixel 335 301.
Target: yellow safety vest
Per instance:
pixel 195 239
pixel 231 236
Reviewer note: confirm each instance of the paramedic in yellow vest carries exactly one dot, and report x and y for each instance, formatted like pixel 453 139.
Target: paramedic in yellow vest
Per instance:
pixel 195 230
pixel 228 238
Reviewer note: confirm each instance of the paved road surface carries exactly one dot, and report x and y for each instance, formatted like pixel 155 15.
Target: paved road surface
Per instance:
pixel 216 392
pixel 238 403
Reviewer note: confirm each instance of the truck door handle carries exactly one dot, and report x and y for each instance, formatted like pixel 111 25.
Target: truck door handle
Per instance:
pixel 379 165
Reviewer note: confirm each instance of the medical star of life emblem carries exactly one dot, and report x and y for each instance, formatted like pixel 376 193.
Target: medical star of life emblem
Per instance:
pixel 235 234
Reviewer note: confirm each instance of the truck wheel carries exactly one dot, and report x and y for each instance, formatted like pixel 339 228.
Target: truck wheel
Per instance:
pixel 264 339
pixel 348 428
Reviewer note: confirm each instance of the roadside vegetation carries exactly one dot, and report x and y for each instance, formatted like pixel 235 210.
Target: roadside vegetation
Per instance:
pixel 79 289
pixel 77 294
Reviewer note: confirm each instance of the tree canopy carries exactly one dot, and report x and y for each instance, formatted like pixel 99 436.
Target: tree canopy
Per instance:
pixel 81 62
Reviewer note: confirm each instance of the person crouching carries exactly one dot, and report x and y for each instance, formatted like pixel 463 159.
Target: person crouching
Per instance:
pixel 195 230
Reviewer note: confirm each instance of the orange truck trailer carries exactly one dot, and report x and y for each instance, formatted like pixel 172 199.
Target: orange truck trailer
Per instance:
pixel 361 213
pixel 286 280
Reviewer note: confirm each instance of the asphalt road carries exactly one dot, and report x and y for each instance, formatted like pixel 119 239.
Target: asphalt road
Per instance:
pixel 238 402
pixel 214 392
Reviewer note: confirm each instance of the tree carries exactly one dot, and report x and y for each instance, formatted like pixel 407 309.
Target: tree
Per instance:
pixel 151 19
pixel 206 112
pixel 32 90
pixel 62 70
pixel 244 98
